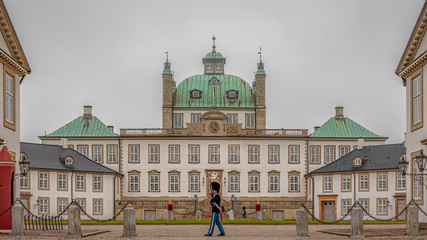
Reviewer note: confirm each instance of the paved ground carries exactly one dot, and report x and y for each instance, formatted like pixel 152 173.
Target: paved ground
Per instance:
pixel 232 232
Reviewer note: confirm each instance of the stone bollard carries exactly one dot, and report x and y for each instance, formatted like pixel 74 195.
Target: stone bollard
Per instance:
pixel 357 221
pixel 17 220
pixel 74 227
pixel 129 222
pixel 412 224
pixel 231 214
pixel 302 222
pixel 171 215
pixel 263 215
pixel 166 215
pixel 258 215
pixel 198 214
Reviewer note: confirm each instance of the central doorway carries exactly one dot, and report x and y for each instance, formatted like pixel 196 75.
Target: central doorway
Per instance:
pixel 329 210
pixel 208 176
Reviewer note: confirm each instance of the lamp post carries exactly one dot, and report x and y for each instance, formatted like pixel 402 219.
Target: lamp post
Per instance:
pixel 24 164
pixel 420 161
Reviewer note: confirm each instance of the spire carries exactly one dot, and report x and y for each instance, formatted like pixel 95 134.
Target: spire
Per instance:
pixel 167 65
pixel 260 63
pixel 213 46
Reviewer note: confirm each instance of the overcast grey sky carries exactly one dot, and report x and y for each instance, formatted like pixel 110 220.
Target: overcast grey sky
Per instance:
pixel 110 54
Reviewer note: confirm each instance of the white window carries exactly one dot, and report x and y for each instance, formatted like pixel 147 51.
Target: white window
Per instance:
pixel 196 94
pixel 97 183
pixel 194 183
pixel 344 150
pixel 177 120
pixel 213 153
pixel 315 154
pixel 194 153
pixel 253 183
pixel 112 153
pixel 232 118
pixel 97 206
pixel 174 183
pixel 133 183
pixel 69 161
pixel 401 181
pixel 218 68
pixel 24 181
pixel 154 153
pixel 365 204
pixel 82 150
pixel 234 154
pixel 250 120
pixel 44 205
pixel 97 153
pixel 62 181
pixel 133 153
pixel 234 183
pixel 382 181
pixel 174 153
pixel 416 100
pixel 80 182
pixel 346 183
pixel 416 182
pixel 273 183
pixel 43 181
pixel 273 154
pixel 62 204
pixel 329 154
pixel 253 154
pixel 82 203
pixel 327 183
pixel 382 206
pixel 364 182
pixel 345 206
pixel 209 67
pixel 294 154
pixel 195 118
pixel 154 183
pixel 293 183
pixel 9 99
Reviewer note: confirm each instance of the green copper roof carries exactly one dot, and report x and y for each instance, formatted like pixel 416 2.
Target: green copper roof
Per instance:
pixel 343 128
pixel 214 55
pixel 82 127
pixel 214 94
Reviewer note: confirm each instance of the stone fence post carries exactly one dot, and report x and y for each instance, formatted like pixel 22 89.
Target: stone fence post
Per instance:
pixel 357 221
pixel 231 214
pixel 198 214
pixel 302 222
pixel 74 227
pixel 17 220
pixel 129 222
pixel 412 224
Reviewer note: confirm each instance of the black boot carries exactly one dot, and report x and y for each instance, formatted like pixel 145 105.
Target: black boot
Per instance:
pixel 221 234
pixel 208 234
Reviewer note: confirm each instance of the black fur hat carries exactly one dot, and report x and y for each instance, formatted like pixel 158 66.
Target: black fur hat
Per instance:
pixel 215 186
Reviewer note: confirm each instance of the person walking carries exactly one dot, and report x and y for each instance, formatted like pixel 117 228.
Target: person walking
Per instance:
pixel 216 211
pixel 244 213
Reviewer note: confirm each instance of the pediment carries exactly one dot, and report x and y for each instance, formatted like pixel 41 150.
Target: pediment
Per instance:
pixel 214 115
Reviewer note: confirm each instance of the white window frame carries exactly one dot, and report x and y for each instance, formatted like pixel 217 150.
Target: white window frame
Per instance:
pixel 382 181
pixel 112 153
pixel 273 154
pixel 234 183
pixel 214 154
pixel 97 206
pixel 133 153
pixel 195 118
pixel 154 153
pixel 416 100
pixel 234 152
pixel 382 206
pixel 364 182
pixel 62 181
pixel 329 154
pixel 43 205
pixel 62 204
pixel 194 153
pixel 83 149
pixel 177 120
pixel 346 183
pixel 250 120
pixel 327 183
pixel 24 181
pixel 294 183
pixel 273 183
pixel 174 153
pixel 43 180
pixel 97 183
pixel 344 150
pixel 232 118
pixel 174 183
pixel 9 99
pixel 154 180
pixel 80 182
pixel 315 154
pixel 194 183
pixel 133 183
pixel 401 181
pixel 345 206
pixel 294 154
pixel 253 183
pixel 253 154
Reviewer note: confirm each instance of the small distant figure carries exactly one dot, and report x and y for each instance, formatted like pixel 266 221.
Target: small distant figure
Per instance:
pixel 244 213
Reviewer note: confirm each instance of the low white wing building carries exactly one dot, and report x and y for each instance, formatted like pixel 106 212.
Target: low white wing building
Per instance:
pixel 57 175
pixel 369 175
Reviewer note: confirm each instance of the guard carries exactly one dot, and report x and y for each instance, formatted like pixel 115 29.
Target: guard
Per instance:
pixel 216 210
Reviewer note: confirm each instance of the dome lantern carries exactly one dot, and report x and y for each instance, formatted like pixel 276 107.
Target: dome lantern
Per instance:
pixel 214 61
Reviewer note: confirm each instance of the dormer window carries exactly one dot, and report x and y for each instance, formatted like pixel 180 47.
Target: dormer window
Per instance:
pixel 214 80
pixel 196 94
pixel 218 68
pixel 232 94
pixel 69 161
pixel 209 67
pixel 357 162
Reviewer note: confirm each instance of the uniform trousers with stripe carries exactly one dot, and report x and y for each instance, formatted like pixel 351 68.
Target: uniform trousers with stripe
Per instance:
pixel 215 220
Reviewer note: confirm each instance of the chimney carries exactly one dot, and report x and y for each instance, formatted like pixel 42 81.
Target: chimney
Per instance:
pixel 64 142
pixel 339 112
pixel 360 143
pixel 111 128
pixel 316 128
pixel 87 111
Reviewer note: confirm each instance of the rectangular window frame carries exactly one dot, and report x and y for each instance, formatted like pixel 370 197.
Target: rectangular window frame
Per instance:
pixel 250 123
pixel 327 158
pixel 292 155
pixel 136 184
pixel 110 154
pixel 257 154
pixel 41 203
pixel 98 157
pixel 343 147
pixel 273 157
pixel 174 175
pixel 386 181
pixel 291 183
pixel 196 184
pixel 378 207
pixel 153 176
pixel 233 154
pixel 360 182
pixel 25 181
pixel 86 154
pixel 319 161
pixel 272 185
pixel 232 186
pixel 195 118
pixel 417 125
pixel 58 208
pixel 177 121
pixel 84 183
pixel 196 155
pixel 152 155
pixel 324 183
pixel 212 154
pixel 94 207
pixel 58 181
pixel 256 176
pixel 47 181
pixel 402 180
pixel 348 200
pixel 132 155
pixel 174 154
pixel 95 183
pixel 232 118
pixel 10 124
pixel 343 187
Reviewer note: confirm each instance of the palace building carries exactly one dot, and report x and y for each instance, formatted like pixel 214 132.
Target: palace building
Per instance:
pixel 213 124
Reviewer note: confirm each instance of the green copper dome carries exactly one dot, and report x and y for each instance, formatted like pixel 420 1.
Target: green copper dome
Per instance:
pixel 215 90
pixel 214 55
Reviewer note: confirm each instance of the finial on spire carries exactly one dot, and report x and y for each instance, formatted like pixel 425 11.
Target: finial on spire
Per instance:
pixel 260 54
pixel 167 65
pixel 213 46
pixel 260 63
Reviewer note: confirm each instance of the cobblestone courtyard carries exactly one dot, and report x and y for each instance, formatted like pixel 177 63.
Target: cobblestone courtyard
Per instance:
pixel 395 231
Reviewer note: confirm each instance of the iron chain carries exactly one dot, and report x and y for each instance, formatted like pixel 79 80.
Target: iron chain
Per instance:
pixel 101 220
pixel 323 222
